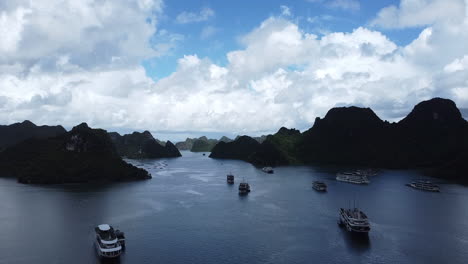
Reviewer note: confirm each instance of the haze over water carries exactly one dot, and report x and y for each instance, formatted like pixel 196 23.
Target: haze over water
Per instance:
pixel 188 214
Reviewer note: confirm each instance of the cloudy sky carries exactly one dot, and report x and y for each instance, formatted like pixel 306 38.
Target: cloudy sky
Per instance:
pixel 180 68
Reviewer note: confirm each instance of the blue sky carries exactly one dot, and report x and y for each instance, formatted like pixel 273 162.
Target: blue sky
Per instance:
pixel 233 19
pixel 190 68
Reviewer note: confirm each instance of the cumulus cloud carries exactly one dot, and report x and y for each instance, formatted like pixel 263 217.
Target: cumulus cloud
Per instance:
pixel 281 76
pixel 414 13
pixel 191 17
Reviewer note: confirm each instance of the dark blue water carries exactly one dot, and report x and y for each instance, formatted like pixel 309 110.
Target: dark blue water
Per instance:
pixel 188 214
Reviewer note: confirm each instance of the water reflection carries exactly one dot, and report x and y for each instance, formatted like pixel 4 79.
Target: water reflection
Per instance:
pixel 356 242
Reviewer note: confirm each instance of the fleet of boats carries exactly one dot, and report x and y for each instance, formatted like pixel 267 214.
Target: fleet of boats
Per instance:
pixel 109 243
pixel 424 186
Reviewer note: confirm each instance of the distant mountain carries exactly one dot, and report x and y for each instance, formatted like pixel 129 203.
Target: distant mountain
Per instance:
pixel 185 145
pixel 464 113
pixel 278 149
pixel 259 139
pixel 201 144
pixel 81 155
pixel 142 146
pixel 225 139
pixel 241 148
pixel 434 137
pixel 15 133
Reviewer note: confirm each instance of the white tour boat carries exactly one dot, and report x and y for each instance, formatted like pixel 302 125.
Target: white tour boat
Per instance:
pixel 107 242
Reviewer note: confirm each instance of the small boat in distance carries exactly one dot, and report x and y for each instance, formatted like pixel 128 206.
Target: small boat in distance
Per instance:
pixel 230 178
pixel 244 188
pixel 107 243
pixel 352 177
pixel 354 220
pixel 424 186
pixel 319 186
pixel 267 170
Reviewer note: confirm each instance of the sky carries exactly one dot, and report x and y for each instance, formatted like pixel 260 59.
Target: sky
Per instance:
pixel 191 68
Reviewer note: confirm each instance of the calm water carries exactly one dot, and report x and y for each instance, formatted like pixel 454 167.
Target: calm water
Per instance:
pixel 187 214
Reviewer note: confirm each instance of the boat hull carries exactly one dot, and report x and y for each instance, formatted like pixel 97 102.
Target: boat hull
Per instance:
pixel 107 255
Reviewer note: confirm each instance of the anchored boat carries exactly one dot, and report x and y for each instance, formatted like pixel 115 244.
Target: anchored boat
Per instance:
pixel 319 186
pixel 230 178
pixel 244 188
pixel 108 244
pixel 267 170
pixel 352 177
pixel 424 186
pixel 354 220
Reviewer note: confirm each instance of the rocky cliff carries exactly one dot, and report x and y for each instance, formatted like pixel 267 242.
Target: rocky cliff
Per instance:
pixel 142 146
pixel 81 155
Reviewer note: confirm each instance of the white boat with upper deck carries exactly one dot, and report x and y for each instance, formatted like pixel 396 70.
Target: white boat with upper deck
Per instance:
pixel 352 177
pixel 354 220
pixel 319 186
pixel 424 186
pixel 107 243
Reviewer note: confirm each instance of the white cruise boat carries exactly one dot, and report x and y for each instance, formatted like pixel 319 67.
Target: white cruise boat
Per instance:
pixel 107 243
pixel 354 220
pixel 319 186
pixel 352 177
pixel 424 185
pixel 267 169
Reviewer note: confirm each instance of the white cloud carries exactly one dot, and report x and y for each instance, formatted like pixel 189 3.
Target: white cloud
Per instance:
pixel 351 5
pixel 191 17
pixel 285 10
pixel 208 32
pixel 282 75
pixel 90 33
pixel 347 5
pixel 414 13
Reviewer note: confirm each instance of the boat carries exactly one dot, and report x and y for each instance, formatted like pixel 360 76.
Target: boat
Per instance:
pixel 244 188
pixel 267 170
pixel 120 237
pixel 230 179
pixel 352 177
pixel 319 186
pixel 107 242
pixel 354 220
pixel 424 185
